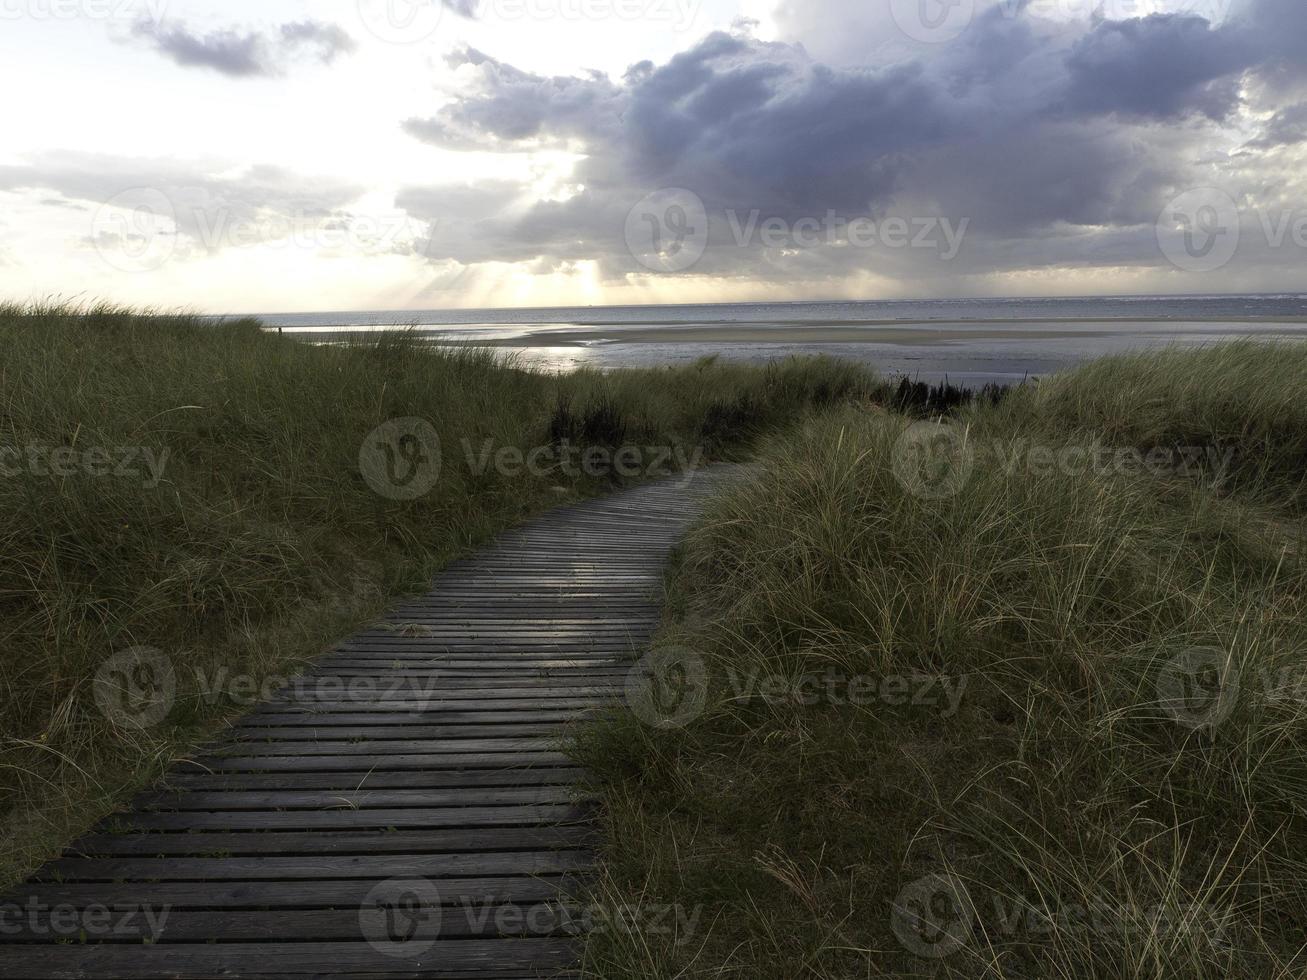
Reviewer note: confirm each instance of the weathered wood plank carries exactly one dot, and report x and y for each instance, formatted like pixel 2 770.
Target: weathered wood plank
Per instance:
pixel 315 894
pixel 454 816
pixel 380 747
pixel 470 958
pixel 430 866
pixel 421 779
pixel 300 799
pixel 299 735
pixel 369 763
pixel 305 719
pixel 363 841
pixel 538 920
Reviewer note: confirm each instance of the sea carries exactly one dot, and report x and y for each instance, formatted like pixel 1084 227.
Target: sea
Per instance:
pixel 966 341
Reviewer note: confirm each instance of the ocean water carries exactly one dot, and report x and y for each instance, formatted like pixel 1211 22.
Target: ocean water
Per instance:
pixel 969 341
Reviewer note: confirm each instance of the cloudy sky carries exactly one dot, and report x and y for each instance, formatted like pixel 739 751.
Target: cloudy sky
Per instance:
pixel 391 154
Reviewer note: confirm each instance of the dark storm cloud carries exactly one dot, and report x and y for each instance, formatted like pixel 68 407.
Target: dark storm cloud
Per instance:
pixel 1158 67
pixel 244 54
pixel 712 115
pixel 1275 29
pixel 1059 143
pixel 743 122
pixel 516 106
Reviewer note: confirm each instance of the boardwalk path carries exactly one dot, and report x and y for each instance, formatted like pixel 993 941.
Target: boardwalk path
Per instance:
pixel 416 767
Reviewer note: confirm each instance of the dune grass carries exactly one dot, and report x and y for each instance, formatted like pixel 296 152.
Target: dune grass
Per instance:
pixel 198 490
pixel 1020 719
pixel 1244 397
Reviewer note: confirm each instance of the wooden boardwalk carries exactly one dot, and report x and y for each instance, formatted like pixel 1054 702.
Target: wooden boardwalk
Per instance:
pixel 404 809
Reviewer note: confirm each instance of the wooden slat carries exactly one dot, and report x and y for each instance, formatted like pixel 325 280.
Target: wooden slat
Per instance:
pixel 369 763
pixel 292 734
pixel 301 799
pixel 542 919
pixel 469 958
pixel 373 866
pixel 254 723
pixel 306 894
pixel 387 841
pixel 384 747
pixel 422 779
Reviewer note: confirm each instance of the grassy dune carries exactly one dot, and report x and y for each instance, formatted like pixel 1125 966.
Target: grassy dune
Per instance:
pixel 1001 710
pixel 199 490
pixel 1247 398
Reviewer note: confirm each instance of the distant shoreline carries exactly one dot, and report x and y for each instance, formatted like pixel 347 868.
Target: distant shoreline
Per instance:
pixel 967 321
pixel 884 331
pixel 871 332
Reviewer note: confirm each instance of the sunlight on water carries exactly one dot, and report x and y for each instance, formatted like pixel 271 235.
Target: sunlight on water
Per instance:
pixel 971 341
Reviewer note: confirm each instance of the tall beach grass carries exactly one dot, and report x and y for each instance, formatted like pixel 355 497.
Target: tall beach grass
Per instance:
pixel 1015 721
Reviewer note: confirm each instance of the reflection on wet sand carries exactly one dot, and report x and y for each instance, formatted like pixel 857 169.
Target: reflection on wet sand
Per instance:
pixel 966 351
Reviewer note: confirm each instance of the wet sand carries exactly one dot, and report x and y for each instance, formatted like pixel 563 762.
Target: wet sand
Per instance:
pixel 968 351
pixel 874 332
